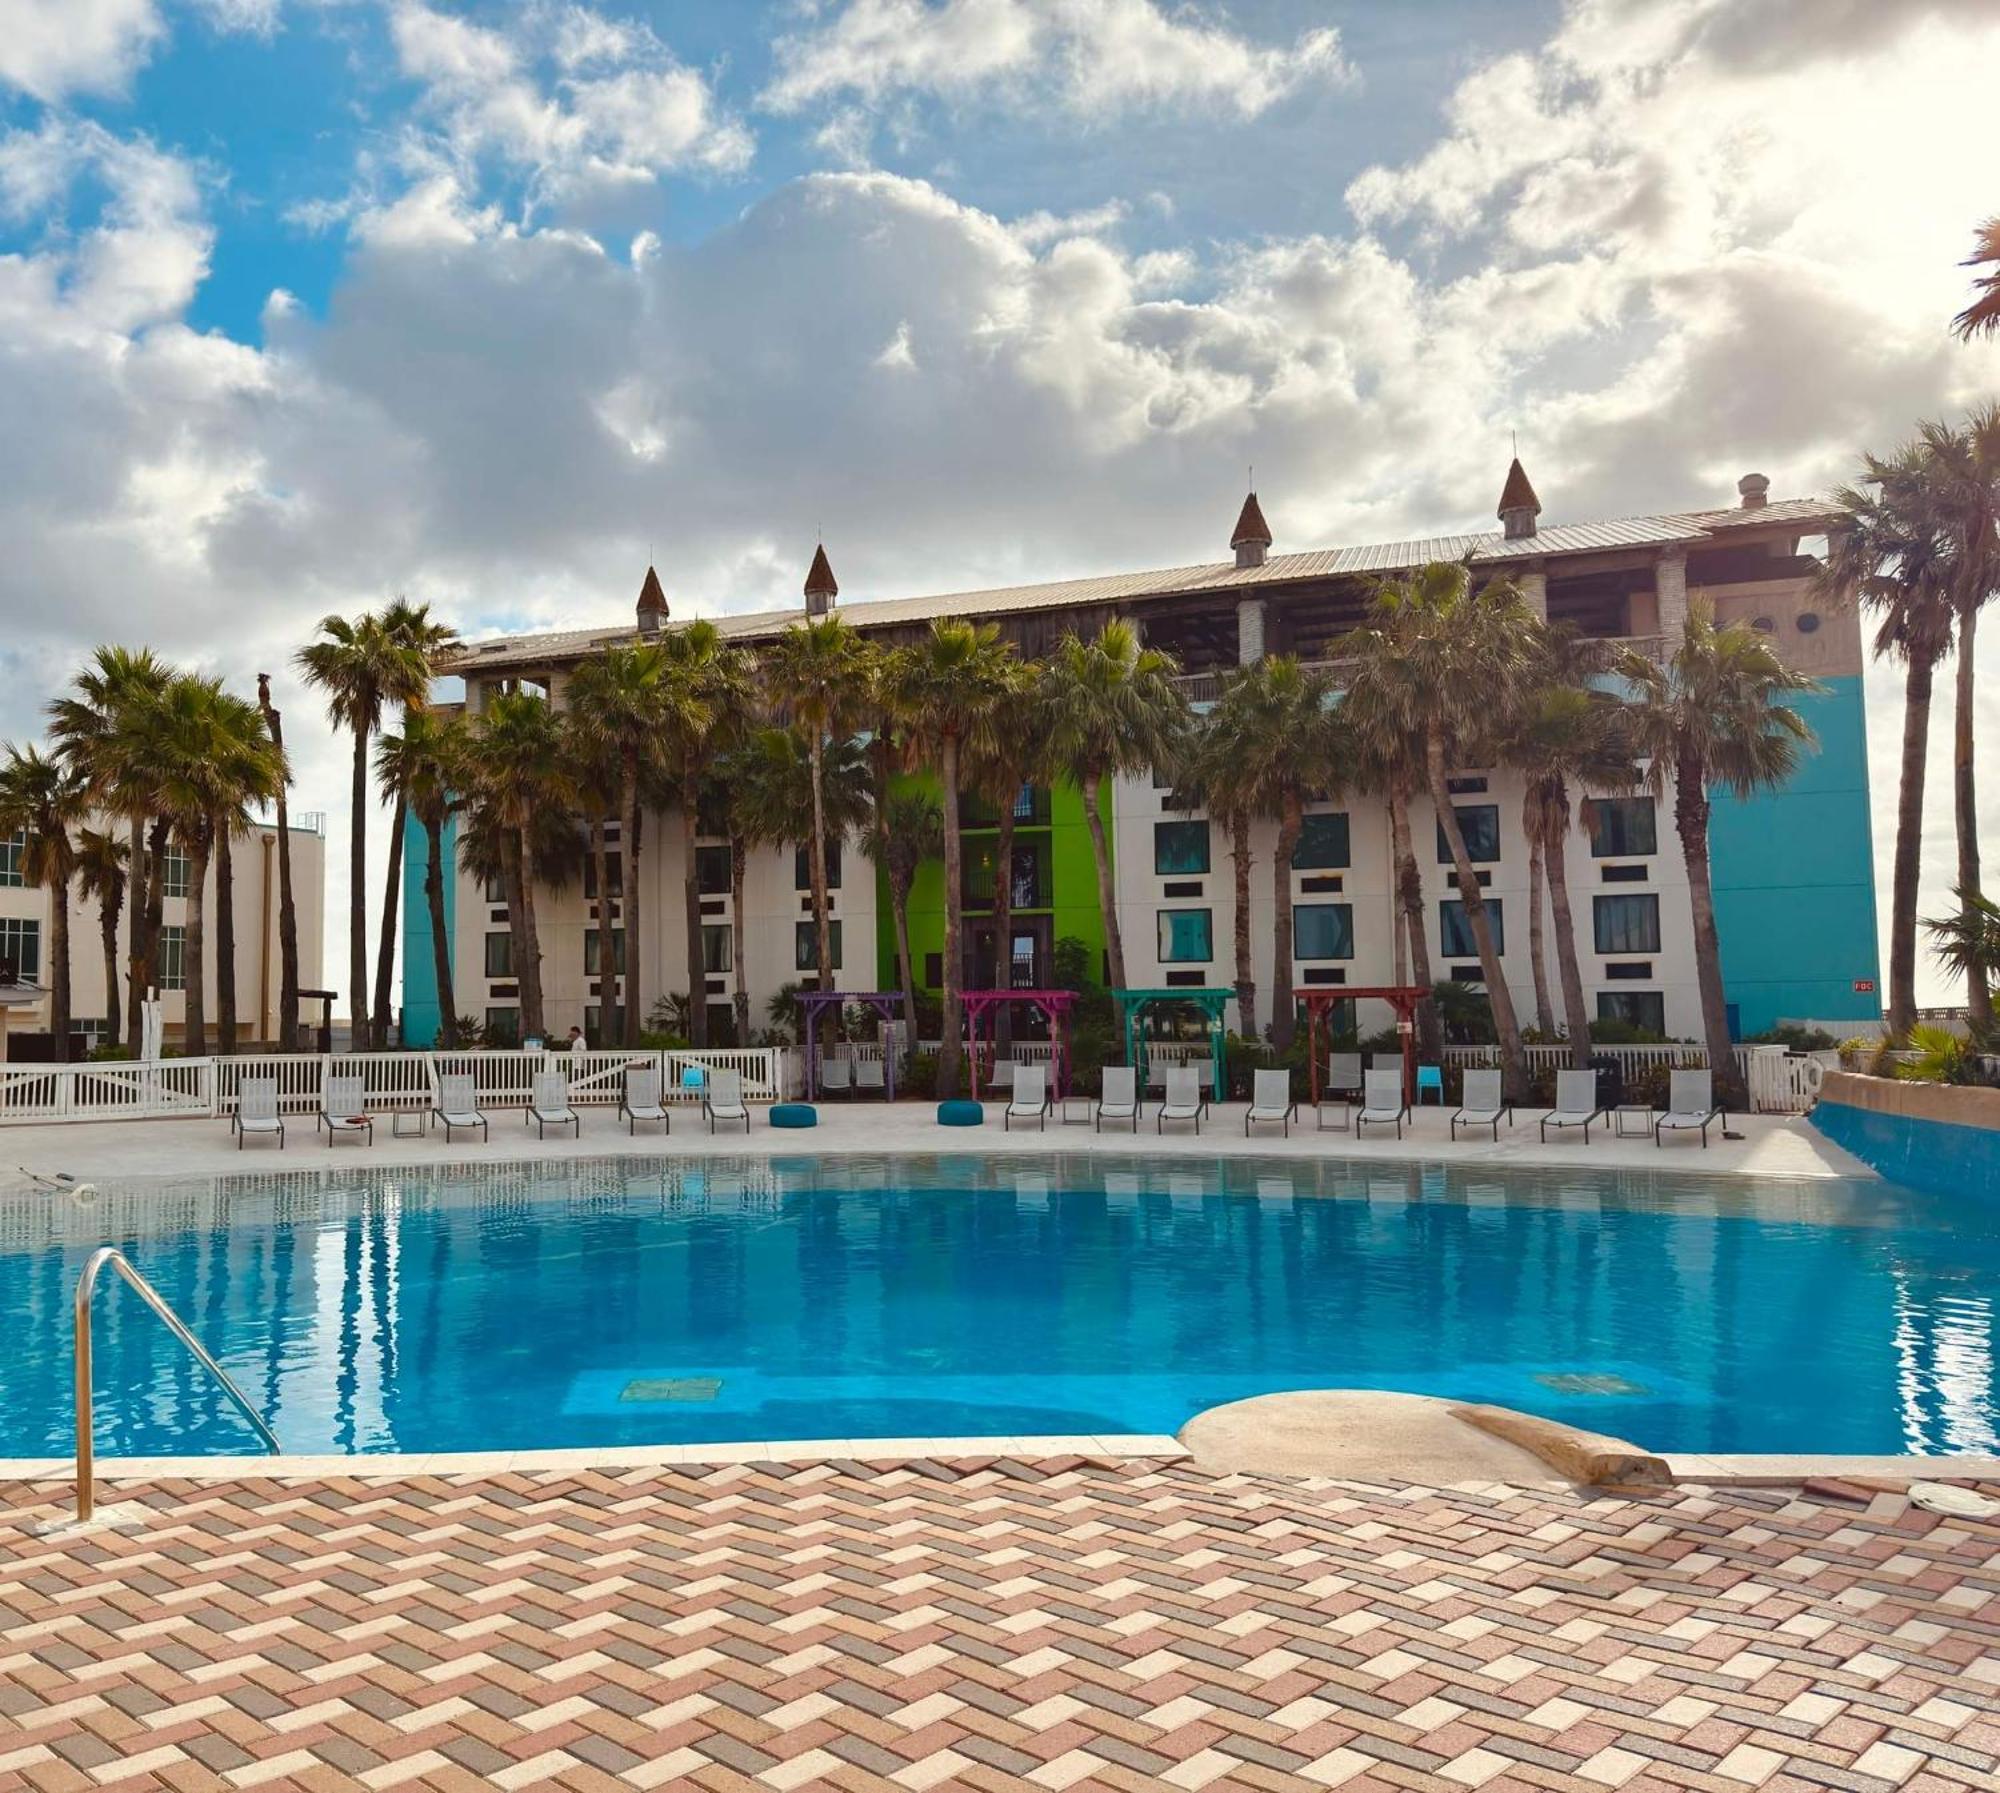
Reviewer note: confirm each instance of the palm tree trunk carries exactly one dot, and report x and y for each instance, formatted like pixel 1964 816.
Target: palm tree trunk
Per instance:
pixel 898 897
pixel 598 847
pixel 1107 895
pixel 739 868
pixel 135 951
pixel 1917 683
pixel 385 952
pixel 1513 1056
pixel 59 983
pixel 1537 957
pixel 357 897
pixel 1284 1004
pixel 527 937
pixel 225 941
pixel 949 1055
pixel 158 836
pixel 816 858
pixel 1246 974
pixel 1410 900
pixel 288 915
pixel 1568 973
pixel 1965 809
pixel 107 928
pixel 1003 924
pixel 635 989
pixel 194 954
pixel 899 906
pixel 440 935
pixel 691 902
pixel 1691 821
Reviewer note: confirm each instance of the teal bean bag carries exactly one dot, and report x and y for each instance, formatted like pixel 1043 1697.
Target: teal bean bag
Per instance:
pixel 794 1114
pixel 960 1113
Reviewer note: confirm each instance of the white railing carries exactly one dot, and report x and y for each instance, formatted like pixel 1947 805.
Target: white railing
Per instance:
pixel 1779 1082
pixel 124 1090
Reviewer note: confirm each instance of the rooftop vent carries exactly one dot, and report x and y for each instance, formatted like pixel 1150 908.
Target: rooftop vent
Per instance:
pixel 1754 490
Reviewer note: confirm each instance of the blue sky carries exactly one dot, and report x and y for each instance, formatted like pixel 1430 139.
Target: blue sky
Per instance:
pixel 308 302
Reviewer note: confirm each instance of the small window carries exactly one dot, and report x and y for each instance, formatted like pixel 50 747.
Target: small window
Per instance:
pixel 1480 824
pixel 21 946
pixel 806 946
pixel 1808 623
pixel 496 889
pixel 1466 787
pixel 1323 930
pixel 933 971
pixel 1623 827
pixel 1624 874
pixel 1627 924
pixel 11 849
pixel 614 869
pixel 499 955
pixel 1187 936
pixel 1632 970
pixel 503 1026
pixel 1638 1008
pixel 1455 928
pixel 593 954
pixel 717 945
pixel 802 875
pixel 711 870
pixel 1180 849
pixel 172 957
pixel 174 873
pixel 1322 844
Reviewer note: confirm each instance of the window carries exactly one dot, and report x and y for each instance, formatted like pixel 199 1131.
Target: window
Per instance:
pixel 802 877
pixel 1029 887
pixel 496 889
pixel 1470 786
pixel 174 873
pixel 21 942
pixel 716 948
pixel 1030 808
pixel 1455 928
pixel 1187 936
pixel 173 958
pixel 806 950
pixel 1638 1008
pixel 1627 924
pixel 593 954
pixel 11 850
pixel 1179 848
pixel 614 869
pixel 604 1023
pixel 1323 930
pixel 1480 824
pixel 503 1026
pixel 711 870
pixel 499 955
pixel 1622 827
pixel 1322 844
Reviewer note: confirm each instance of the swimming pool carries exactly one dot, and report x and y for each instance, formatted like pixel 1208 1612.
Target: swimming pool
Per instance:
pixel 510 1307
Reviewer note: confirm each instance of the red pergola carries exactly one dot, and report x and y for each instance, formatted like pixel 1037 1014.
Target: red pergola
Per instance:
pixel 1055 1004
pixel 1403 998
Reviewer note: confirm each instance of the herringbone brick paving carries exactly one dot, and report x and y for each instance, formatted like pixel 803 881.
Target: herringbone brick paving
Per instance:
pixel 995 1624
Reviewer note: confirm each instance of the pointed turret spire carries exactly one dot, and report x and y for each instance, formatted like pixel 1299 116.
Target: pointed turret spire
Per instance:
pixel 1252 536
pixel 821 586
pixel 652 604
pixel 1519 507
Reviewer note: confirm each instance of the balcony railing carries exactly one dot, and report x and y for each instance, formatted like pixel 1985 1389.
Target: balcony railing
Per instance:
pixel 1206 687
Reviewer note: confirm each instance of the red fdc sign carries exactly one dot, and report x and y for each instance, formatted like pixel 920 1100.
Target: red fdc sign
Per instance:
pixel 1864 986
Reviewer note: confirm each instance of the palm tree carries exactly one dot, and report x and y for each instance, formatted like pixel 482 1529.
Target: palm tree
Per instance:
pixel 1113 710
pixel 822 675
pixel 1206 779
pixel 362 665
pixel 517 787
pixel 422 764
pixel 86 727
pixel 1982 316
pixel 1714 715
pixel 1895 558
pixel 1969 936
pixel 948 688
pixel 1465 649
pixel 594 775
pixel 101 875
pixel 42 798
pixel 909 831
pixel 998 764
pixel 288 914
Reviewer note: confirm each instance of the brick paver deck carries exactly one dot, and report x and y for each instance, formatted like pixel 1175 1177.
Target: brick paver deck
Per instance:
pixel 997 1624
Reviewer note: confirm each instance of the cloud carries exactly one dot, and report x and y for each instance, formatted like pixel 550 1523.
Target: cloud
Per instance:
pixel 54 48
pixel 1092 57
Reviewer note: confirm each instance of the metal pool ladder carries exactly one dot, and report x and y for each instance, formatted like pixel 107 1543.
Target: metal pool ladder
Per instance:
pixel 86 1449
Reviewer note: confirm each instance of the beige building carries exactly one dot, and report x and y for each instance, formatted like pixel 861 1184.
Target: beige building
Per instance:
pixel 26 933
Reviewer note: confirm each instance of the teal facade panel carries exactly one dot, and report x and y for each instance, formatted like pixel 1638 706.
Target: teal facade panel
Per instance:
pixel 423 1014
pixel 1794 874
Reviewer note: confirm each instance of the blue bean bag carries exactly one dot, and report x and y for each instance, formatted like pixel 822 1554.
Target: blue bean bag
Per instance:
pixel 794 1114
pixel 959 1112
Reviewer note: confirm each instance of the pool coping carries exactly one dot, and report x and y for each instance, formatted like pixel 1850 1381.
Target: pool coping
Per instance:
pixel 1732 1469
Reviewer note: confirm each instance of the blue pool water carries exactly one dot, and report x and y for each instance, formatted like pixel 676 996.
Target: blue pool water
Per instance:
pixel 702 1300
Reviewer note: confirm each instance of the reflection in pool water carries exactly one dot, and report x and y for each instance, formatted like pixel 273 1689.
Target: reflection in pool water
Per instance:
pixel 508 1307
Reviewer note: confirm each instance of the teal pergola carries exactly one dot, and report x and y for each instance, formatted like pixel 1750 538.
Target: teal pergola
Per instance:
pixel 1133 1005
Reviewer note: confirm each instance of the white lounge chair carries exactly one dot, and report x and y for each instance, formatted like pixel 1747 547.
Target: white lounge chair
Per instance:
pixel 1001 1076
pixel 1691 1105
pixel 641 1101
pixel 343 1110
pixel 836 1074
pixel 548 1106
pixel 1120 1100
pixel 722 1099
pixel 1030 1100
pixel 1482 1103
pixel 1382 1103
pixel 458 1106
pixel 1576 1103
pixel 1183 1101
pixel 871 1077
pixel 1271 1100
pixel 1343 1085
pixel 257 1111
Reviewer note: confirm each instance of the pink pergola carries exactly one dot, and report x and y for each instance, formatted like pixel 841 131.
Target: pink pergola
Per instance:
pixel 1055 1004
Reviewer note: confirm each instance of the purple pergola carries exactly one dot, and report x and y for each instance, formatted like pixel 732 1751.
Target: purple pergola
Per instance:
pixel 1055 1004
pixel 812 1002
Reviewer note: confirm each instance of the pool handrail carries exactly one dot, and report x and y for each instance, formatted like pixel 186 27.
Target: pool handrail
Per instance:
pixel 86 1443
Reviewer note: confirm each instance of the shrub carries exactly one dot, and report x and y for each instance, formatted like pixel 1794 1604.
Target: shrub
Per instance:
pixel 1942 1057
pixel 1794 1038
